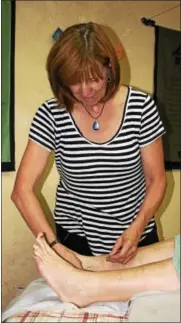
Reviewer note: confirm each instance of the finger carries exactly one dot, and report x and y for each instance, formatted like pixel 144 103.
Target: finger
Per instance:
pixel 124 253
pixel 79 264
pixel 114 258
pixel 130 254
pixel 40 235
pixel 125 249
pixel 116 247
pixel 129 258
pixel 76 262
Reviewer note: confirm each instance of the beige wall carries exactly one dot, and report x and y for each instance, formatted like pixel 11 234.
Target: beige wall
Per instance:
pixel 35 23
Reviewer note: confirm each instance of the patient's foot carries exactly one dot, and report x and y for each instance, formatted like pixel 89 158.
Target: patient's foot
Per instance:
pixel 68 282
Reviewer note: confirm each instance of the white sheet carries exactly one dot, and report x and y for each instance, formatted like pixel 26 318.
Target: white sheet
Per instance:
pixel 39 296
pixel 155 306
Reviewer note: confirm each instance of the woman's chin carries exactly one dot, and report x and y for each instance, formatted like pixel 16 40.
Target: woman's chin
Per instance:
pixel 90 101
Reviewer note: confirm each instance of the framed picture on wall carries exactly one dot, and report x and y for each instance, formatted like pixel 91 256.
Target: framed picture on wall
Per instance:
pixel 167 91
pixel 7 89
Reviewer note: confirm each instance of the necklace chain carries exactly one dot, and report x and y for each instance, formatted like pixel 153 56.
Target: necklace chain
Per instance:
pixel 91 114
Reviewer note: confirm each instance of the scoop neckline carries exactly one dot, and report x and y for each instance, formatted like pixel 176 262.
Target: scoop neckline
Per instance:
pixel 117 132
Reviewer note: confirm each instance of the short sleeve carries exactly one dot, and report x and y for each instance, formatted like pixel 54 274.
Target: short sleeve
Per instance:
pixel 151 124
pixel 42 129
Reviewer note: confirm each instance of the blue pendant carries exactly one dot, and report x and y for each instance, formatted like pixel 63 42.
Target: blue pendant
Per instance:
pixel 95 125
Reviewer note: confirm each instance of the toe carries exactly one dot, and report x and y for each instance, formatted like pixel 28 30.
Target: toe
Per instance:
pixel 38 253
pixel 40 240
pixel 39 262
pixel 42 243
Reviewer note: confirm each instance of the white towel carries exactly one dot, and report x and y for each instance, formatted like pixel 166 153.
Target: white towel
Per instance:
pixel 38 296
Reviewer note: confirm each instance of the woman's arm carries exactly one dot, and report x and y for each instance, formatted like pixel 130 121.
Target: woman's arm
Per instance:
pixel 154 170
pixel 32 165
pixel 153 167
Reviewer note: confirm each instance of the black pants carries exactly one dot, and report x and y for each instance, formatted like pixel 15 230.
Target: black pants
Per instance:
pixel 80 244
pixel 151 238
pixel 73 241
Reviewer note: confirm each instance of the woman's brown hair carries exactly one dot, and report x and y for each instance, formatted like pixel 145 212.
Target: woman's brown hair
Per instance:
pixel 76 56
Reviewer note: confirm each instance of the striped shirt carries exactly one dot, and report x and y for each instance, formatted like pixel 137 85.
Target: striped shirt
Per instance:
pixel 102 185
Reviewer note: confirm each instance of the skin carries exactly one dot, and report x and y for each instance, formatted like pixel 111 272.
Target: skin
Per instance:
pixel 24 196
pixel 35 159
pixel 92 91
pixel 90 287
pixel 148 254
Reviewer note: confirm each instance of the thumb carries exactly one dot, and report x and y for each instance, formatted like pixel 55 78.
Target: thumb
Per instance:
pixel 116 246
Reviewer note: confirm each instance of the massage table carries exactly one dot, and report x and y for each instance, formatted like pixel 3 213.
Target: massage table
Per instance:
pixel 39 303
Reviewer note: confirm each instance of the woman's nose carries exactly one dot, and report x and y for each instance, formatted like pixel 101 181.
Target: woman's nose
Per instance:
pixel 85 89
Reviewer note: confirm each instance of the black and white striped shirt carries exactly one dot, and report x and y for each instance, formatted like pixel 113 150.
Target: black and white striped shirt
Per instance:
pixel 101 185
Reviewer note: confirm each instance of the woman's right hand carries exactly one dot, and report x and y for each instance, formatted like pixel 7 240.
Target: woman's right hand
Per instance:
pixel 67 254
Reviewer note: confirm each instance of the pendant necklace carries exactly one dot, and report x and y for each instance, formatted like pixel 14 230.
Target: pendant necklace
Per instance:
pixel 95 125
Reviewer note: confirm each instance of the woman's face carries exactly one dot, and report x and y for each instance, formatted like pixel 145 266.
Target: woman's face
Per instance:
pixel 92 91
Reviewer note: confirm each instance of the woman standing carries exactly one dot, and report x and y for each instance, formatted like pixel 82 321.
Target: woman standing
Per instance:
pixel 106 138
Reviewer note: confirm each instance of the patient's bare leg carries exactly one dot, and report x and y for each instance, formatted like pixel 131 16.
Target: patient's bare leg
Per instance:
pixel 83 287
pixel 156 252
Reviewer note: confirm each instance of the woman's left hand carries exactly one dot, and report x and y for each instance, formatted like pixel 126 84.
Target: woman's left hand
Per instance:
pixel 126 246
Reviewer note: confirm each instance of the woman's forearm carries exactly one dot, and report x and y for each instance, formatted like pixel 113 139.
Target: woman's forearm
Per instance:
pixel 154 195
pixel 30 209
